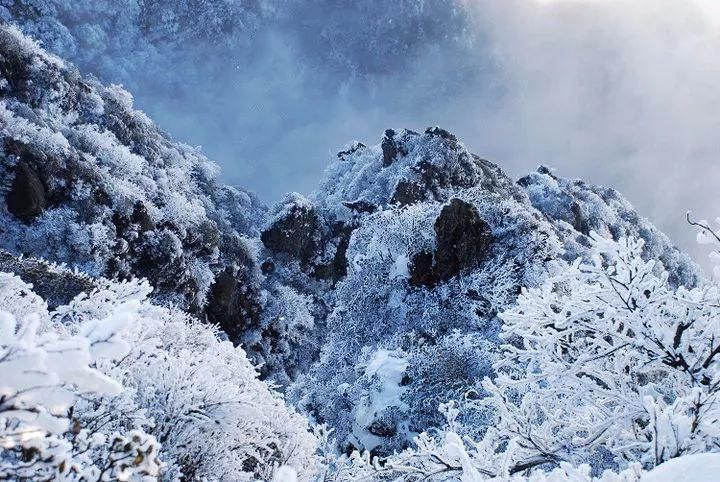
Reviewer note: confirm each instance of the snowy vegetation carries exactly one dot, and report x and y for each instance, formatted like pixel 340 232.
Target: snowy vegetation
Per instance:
pixel 111 387
pixel 419 317
pixel 606 371
pixel 91 182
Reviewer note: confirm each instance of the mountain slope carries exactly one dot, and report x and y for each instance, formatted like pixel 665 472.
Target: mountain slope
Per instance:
pixel 89 181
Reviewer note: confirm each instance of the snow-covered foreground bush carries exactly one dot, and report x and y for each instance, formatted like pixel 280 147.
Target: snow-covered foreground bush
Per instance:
pixel 43 373
pixel 605 363
pixel 449 460
pixel 111 387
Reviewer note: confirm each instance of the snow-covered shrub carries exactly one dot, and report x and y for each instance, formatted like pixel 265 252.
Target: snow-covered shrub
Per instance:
pixel 44 374
pixel 151 380
pixel 607 369
pixel 198 395
pixel 605 363
pixel 447 457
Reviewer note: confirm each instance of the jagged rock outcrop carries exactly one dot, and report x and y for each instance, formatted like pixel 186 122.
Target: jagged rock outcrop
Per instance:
pixel 461 238
pixel 295 230
pixel 26 197
pixel 440 241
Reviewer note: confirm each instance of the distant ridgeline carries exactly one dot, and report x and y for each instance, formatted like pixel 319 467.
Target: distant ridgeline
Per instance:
pixel 370 302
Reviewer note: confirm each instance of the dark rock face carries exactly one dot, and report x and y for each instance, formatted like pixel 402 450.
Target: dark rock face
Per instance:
pixel 267 266
pixel 230 305
pixel 422 272
pixel 336 269
pixel 389 147
pixel 407 193
pixel 463 237
pixel 580 219
pixel 320 246
pixel 295 233
pixel 26 199
pixel 392 146
pixel 462 240
pixel 56 286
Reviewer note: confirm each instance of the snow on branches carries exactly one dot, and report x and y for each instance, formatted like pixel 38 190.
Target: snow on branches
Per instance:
pixel 709 236
pixel 112 387
pixel 605 363
pixel 605 370
pixel 42 376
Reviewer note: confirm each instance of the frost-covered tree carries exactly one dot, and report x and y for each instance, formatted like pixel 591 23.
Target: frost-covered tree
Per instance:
pixel 88 180
pixel 199 396
pixel 606 369
pixel 606 363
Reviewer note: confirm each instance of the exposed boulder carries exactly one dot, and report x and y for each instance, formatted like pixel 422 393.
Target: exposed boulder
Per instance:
pixel 422 271
pixel 298 230
pixel 294 229
pixel 393 145
pixel 407 193
pixel 336 269
pixel 389 147
pixel 229 305
pixel 462 239
pixel 267 266
pixel 26 198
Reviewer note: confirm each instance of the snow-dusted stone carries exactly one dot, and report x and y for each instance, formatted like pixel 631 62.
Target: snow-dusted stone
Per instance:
pixel 462 238
pixel 294 229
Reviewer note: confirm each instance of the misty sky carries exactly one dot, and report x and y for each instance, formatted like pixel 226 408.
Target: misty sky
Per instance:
pixel 620 93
